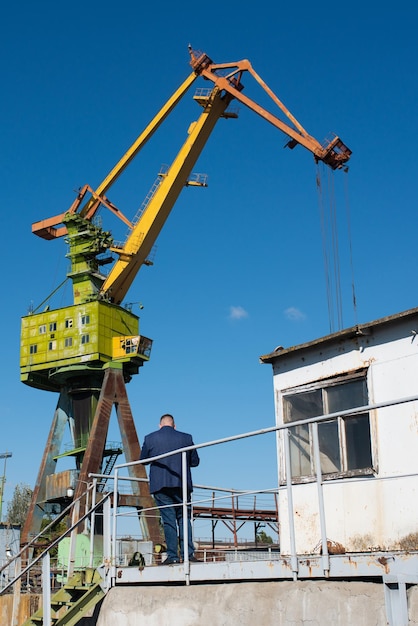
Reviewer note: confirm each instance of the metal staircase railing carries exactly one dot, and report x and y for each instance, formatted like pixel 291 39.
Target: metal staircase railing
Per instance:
pixel 82 589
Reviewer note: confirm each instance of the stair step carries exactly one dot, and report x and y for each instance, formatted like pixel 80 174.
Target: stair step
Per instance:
pixel 76 597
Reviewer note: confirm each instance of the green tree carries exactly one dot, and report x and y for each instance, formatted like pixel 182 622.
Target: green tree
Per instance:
pixel 262 537
pixel 18 507
pixel 50 535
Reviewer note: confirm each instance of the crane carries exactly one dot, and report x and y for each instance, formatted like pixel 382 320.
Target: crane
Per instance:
pixel 88 350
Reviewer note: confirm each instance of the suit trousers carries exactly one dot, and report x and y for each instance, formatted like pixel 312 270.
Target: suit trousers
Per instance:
pixel 170 503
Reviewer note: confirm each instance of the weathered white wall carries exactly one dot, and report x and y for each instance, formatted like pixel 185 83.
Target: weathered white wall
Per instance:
pixel 248 604
pixel 367 513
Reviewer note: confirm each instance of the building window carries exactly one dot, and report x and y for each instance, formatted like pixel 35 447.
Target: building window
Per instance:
pixel 33 349
pixel 130 345
pixel 344 442
pixel 85 319
pixel 68 323
pixel 52 345
pixel 68 342
pixel 85 338
pixel 42 329
pixel 52 327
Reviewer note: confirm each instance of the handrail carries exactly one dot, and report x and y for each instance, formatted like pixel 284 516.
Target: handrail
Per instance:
pixel 288 486
pixel 55 542
pixel 111 524
pixel 271 429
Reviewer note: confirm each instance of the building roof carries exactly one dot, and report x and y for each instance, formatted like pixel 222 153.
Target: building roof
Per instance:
pixel 347 333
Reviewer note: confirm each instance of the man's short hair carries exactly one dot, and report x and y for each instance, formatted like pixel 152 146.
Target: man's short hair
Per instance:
pixel 167 418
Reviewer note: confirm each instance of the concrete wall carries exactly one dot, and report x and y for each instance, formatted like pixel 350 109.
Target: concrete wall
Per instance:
pixel 283 603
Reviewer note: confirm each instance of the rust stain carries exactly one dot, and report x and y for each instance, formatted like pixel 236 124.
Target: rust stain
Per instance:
pixel 384 561
pixel 353 563
pixel 334 547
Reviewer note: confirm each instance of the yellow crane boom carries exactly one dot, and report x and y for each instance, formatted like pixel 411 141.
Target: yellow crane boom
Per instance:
pixel 227 86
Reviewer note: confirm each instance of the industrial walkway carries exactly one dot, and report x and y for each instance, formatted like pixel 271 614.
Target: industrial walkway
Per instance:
pixel 102 566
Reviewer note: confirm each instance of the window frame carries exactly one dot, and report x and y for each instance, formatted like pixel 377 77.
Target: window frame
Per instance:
pixel 341 421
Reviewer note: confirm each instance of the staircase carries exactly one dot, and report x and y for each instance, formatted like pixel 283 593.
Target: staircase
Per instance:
pixel 68 605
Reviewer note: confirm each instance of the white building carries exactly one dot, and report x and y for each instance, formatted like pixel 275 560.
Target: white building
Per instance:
pixel 367 496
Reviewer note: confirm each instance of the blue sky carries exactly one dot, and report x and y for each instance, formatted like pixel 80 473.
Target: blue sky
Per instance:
pixel 239 266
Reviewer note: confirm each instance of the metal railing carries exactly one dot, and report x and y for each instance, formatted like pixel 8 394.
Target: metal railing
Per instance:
pixel 288 486
pixel 112 516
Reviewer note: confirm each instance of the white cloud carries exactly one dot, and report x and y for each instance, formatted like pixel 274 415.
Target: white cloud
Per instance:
pixel 237 313
pixel 294 314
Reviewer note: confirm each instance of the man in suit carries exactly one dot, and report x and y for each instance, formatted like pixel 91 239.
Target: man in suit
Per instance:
pixel 166 484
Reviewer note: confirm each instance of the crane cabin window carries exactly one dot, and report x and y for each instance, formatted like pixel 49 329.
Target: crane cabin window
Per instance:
pixel 33 348
pixel 85 319
pixel 42 329
pixel 68 323
pixel 68 342
pixel 52 327
pixel 344 441
pixel 85 339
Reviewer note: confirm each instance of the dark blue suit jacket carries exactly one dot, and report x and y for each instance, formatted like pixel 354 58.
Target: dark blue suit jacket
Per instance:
pixel 167 472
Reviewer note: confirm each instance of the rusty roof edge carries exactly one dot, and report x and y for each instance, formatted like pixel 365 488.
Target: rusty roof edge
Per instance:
pixel 353 331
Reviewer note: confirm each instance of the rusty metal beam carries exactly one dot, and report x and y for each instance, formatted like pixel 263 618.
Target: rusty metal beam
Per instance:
pixel 35 513
pixel 113 393
pixel 94 429
pixel 93 456
pixel 132 452
pixel 249 515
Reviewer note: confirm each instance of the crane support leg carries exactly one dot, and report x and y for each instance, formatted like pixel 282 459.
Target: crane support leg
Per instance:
pixel 92 427
pixel 113 393
pixel 35 513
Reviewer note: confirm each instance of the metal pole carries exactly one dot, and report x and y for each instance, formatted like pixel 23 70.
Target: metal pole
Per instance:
pixel 92 522
pixel 293 557
pixel 317 456
pixel 112 555
pixel 109 547
pixel 46 590
pixel 5 456
pixel 72 549
pixel 16 592
pixel 212 522
pixel 185 518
